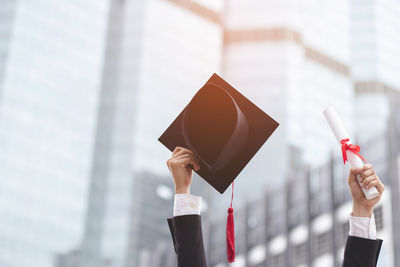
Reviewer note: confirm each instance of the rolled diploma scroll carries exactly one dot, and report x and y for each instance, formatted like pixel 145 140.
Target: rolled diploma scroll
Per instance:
pixel 340 133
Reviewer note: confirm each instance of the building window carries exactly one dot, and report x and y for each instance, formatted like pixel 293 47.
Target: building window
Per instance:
pixel 343 233
pixel 378 213
pixel 324 244
pixel 300 254
pixel 278 260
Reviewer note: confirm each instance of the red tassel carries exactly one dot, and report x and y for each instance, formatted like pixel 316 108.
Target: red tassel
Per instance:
pixel 230 233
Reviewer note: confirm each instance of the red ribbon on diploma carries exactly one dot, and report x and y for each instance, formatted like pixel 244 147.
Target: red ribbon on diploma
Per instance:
pixel 353 148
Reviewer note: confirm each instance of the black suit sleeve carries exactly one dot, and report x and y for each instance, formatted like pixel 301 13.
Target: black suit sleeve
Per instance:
pixel 187 237
pixel 361 252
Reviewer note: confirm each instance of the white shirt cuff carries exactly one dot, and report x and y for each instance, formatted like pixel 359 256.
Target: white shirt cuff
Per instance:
pixel 363 227
pixel 186 204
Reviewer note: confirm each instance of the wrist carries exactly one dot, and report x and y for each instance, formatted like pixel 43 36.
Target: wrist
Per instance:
pixel 182 190
pixel 362 211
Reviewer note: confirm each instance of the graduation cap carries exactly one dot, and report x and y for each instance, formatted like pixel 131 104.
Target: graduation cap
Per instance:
pixel 223 129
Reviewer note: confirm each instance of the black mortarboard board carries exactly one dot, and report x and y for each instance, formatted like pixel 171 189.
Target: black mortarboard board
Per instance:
pixel 222 128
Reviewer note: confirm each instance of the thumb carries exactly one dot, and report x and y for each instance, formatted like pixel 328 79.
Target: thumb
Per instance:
pixel 354 171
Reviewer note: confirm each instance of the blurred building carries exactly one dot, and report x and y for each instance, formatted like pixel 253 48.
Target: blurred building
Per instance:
pixel 68 259
pixel 292 59
pixel 393 148
pixel 51 57
pixel 375 62
pixel 156 59
pixel 7 18
pixel 105 236
pixel 374 66
pixel 290 227
pixel 153 201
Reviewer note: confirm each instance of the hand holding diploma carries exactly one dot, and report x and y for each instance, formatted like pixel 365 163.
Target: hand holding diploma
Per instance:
pixel 349 151
pixel 364 178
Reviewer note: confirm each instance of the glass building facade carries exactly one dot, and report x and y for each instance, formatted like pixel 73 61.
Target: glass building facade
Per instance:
pixel 282 56
pixel 375 62
pixel 154 64
pixel 50 72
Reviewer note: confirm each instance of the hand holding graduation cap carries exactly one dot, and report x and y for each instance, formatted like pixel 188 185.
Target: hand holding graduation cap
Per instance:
pixel 180 165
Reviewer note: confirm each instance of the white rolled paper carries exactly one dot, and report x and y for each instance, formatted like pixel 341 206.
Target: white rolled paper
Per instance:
pixel 340 133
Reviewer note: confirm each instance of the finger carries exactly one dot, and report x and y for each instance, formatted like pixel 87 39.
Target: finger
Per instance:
pixel 192 164
pixel 368 180
pixel 178 153
pixel 174 153
pixel 367 173
pixel 196 163
pixel 354 171
pixel 372 184
pixel 190 153
pixel 183 151
pixel 176 150
pixel 368 166
pixel 380 186
pixel 179 160
pixel 186 159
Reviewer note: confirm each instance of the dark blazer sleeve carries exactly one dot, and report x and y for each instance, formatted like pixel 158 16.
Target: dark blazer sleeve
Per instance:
pixel 361 252
pixel 187 237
